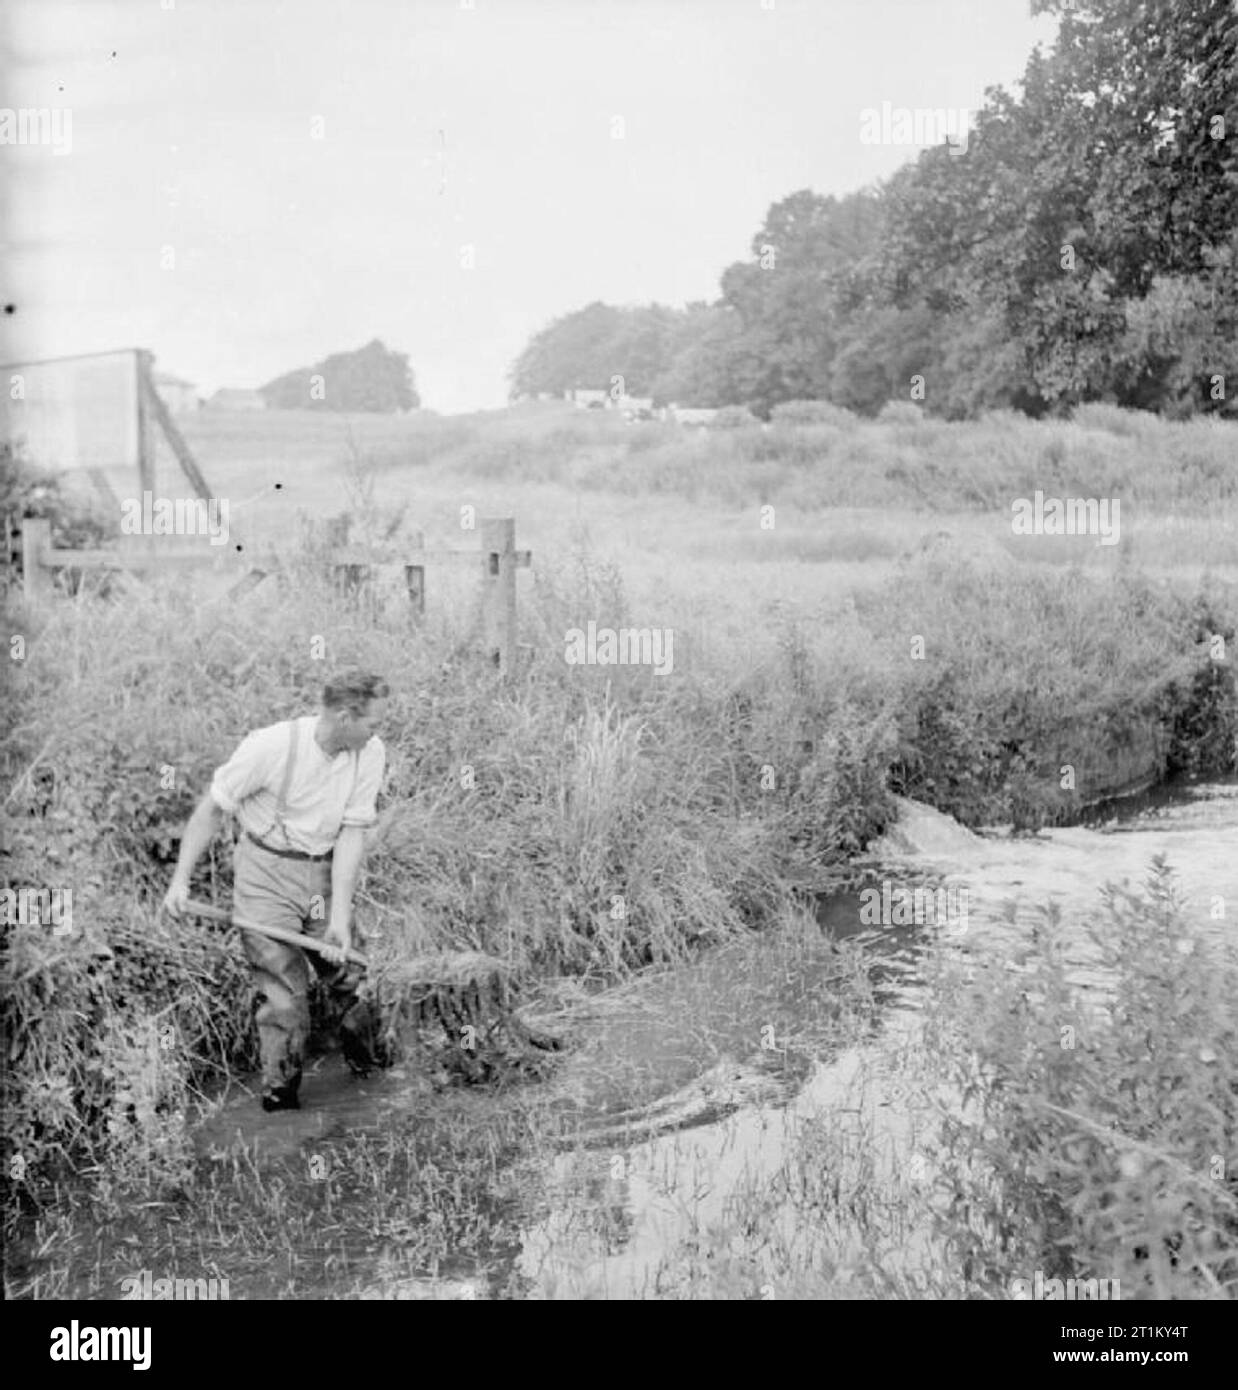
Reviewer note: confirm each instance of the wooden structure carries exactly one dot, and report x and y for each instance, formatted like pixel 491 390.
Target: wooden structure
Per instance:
pixel 93 413
pixel 353 565
pixel 499 561
pixel 153 414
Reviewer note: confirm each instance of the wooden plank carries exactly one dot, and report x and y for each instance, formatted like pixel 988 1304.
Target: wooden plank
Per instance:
pixel 415 579
pixel 105 490
pixel 523 559
pixel 141 559
pixel 361 555
pixel 36 544
pixel 399 555
pixel 498 544
pixel 160 414
pixel 247 583
pixel 392 555
pixel 146 426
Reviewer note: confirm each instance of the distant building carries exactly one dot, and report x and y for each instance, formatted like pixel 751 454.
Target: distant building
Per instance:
pixel 236 398
pixel 630 407
pixel 691 414
pixel 635 407
pixel 180 396
pixel 588 399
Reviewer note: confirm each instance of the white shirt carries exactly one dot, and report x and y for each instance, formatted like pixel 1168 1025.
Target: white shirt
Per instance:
pixel 325 794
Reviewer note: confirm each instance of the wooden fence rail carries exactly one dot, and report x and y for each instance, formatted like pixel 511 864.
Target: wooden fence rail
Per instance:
pixel 497 562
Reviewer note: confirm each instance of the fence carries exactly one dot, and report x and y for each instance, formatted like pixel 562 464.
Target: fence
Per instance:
pixel 353 565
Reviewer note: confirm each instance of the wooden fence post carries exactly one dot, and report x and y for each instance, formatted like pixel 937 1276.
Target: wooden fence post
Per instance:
pixel 498 548
pixel 146 426
pixel 36 543
pixel 415 577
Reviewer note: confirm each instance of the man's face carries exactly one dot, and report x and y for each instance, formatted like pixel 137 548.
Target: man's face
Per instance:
pixel 356 730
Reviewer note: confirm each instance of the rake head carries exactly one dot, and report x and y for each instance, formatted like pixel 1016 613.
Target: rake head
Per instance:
pixel 463 1006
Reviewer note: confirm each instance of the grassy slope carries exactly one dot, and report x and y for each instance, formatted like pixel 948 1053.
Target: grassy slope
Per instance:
pixel 673 505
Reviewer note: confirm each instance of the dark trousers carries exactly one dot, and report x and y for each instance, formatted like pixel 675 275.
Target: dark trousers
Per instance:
pixel 294 894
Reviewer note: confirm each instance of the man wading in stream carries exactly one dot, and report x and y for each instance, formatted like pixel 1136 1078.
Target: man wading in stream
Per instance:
pixel 304 793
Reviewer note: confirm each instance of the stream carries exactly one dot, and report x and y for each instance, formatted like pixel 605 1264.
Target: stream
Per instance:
pixel 684 1090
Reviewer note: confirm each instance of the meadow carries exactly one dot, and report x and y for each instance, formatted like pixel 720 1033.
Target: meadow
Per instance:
pixel 711 801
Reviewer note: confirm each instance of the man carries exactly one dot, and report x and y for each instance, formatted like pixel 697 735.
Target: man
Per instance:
pixel 304 793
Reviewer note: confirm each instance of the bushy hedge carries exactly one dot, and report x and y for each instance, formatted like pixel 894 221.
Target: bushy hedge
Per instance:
pixel 813 413
pixel 1099 1143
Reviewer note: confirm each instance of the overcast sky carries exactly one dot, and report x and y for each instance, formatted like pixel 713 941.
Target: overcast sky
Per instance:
pixel 317 166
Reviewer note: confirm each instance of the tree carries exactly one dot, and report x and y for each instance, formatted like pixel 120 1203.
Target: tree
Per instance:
pixel 1081 246
pixel 790 298
pixel 370 379
pixel 605 348
pixel 702 364
pixel 1071 201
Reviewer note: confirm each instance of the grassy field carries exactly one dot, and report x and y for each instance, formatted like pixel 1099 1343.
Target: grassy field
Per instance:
pixel 660 497
pixel 705 800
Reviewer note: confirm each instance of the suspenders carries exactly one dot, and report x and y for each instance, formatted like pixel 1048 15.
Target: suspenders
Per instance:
pixel 281 805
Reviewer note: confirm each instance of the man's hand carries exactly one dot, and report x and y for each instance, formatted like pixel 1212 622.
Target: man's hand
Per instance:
pixel 199 831
pixel 177 897
pixel 335 943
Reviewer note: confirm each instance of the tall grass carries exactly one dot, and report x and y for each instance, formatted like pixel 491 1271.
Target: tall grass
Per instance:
pixel 811 455
pixel 821 457
pixel 581 821
pixel 1027 709
pixel 586 820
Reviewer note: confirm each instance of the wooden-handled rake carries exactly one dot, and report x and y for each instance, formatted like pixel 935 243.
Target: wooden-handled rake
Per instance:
pixel 292 938
pixel 471 996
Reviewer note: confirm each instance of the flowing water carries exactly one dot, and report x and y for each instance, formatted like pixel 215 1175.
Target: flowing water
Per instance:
pixel 686 1090
pixel 674 1188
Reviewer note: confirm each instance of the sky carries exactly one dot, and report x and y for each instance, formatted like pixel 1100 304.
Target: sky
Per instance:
pixel 246 186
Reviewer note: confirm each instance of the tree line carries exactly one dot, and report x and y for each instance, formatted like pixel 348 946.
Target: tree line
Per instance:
pixel 1081 244
pixel 373 378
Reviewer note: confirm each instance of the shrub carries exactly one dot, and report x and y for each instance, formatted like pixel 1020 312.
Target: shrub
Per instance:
pixel 28 491
pixel 1205 477
pixel 901 413
pixel 731 417
pixel 1096 415
pixel 1097 1136
pixel 1003 418
pixel 814 413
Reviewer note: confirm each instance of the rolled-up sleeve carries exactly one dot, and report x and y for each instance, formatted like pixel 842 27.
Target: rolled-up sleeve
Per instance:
pixel 249 769
pixel 362 807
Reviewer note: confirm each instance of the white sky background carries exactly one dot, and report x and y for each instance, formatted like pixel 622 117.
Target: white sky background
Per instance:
pixel 196 134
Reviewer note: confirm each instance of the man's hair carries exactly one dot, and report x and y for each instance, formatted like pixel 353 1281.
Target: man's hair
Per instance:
pixel 353 690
